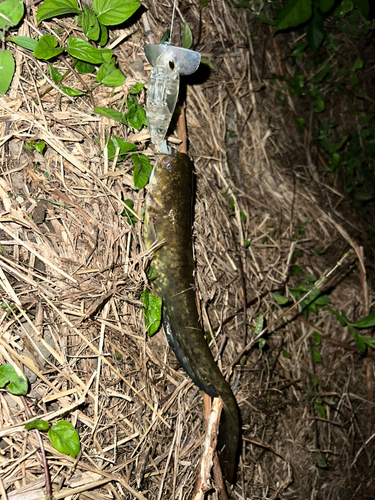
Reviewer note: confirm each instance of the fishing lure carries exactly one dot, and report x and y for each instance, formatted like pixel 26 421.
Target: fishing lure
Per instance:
pixel 168 63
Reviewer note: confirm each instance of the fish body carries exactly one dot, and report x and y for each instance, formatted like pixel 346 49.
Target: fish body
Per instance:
pixel 168 217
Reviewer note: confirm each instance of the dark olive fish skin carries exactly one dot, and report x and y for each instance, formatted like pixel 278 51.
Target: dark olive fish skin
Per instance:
pixel 168 216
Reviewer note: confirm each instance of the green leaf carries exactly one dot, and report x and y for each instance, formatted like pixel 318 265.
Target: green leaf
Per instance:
pixel 317 338
pixel 135 115
pixel 17 384
pixel 358 64
pixel 321 461
pixel 294 13
pixel 370 341
pixel 319 106
pixel 40 146
pixel 358 339
pixel 80 49
pixel 103 35
pixel 343 320
pixel 261 344
pixel 24 41
pixel 315 31
pixel 110 113
pixel 69 91
pixel 13 10
pixel 301 124
pixel 364 7
pixel 7 66
pixel 317 357
pixel 136 88
pixel 131 219
pixel 90 24
pixel 280 299
pixel 286 354
pixel 112 12
pixel 84 68
pixel 117 142
pixel 40 425
pixel 208 63
pixel 55 75
pixel 326 5
pixel 47 48
pixel 65 438
pixel 142 170
pixel 265 19
pixel 109 75
pixel 366 322
pixel 152 311
pixel 165 36
pixel 55 8
pixel 259 325
pixel 187 36
pixel 321 410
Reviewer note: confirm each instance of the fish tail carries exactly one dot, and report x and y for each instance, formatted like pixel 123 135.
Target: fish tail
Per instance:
pixel 229 436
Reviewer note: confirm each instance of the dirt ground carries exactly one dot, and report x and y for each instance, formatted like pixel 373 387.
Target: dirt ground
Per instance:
pixel 73 272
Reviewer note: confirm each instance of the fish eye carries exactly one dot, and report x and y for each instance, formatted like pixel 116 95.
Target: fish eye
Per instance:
pixel 171 65
pixel 169 166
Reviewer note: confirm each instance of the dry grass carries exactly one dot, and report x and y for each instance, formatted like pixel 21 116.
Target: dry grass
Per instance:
pixel 74 271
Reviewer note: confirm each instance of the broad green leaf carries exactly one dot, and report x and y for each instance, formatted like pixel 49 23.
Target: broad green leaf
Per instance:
pixel 151 311
pixel 187 36
pixel 243 4
pixel 208 63
pixel 286 354
pixel 165 36
pixel 90 24
pixel 80 49
pixel 317 357
pixel 71 92
pixel 280 299
pixel 117 142
pixel 261 344
pixel 84 68
pixel 112 12
pixel 55 75
pixel 47 48
pixel 315 31
pixel 7 66
pixel 358 64
pixel 142 170
pixel 326 5
pixel 109 113
pixel 366 322
pixel 23 41
pixel 294 13
pixel 109 75
pixel 17 384
pixel 136 88
pixel 103 35
pixel 364 7
pixel 54 8
pixel 65 438
pixel 40 425
pixel 40 146
pixel 13 10
pixel 135 115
